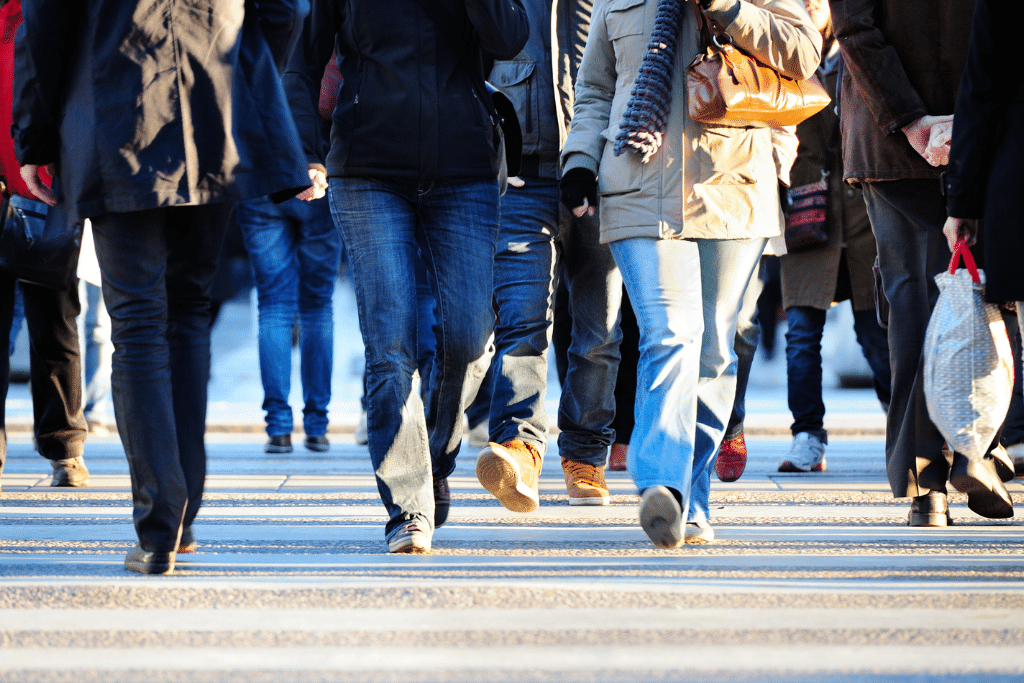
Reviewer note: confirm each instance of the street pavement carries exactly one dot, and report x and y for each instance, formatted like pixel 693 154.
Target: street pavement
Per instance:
pixel 812 577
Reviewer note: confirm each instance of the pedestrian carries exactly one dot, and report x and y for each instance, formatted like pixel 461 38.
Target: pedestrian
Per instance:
pixel 901 71
pixel 815 278
pixel 158 119
pixel 686 230
pixel 538 239
pixel 55 363
pixel 412 168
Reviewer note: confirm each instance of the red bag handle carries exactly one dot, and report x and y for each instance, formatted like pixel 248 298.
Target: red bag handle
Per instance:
pixel 961 249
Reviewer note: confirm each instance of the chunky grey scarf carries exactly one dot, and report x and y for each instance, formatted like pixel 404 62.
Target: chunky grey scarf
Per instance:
pixel 646 115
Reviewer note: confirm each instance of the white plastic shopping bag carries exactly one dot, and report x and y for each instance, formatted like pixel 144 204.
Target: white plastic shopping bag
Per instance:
pixel 968 368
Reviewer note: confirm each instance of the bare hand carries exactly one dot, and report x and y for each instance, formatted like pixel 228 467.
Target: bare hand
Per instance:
pixel 584 208
pixel 919 133
pixel 30 174
pixel 318 189
pixel 955 228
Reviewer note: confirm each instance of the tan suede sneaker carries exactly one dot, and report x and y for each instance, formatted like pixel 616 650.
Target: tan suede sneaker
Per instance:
pixel 585 483
pixel 511 472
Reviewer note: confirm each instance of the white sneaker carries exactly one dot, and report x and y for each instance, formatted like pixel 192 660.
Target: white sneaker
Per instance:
pixel 361 436
pixel 807 454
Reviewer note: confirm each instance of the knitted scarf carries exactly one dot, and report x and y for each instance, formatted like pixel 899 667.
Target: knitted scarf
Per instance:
pixel 646 115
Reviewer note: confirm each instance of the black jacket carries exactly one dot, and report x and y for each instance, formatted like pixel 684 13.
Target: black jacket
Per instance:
pixel 984 176
pixel 407 108
pixel 139 116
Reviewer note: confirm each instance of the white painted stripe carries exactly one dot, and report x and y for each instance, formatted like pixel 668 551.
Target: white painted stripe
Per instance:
pixel 797 658
pixel 514 620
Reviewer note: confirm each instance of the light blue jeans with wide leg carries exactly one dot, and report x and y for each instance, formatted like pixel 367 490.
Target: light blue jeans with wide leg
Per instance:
pixel 452 223
pixel 686 295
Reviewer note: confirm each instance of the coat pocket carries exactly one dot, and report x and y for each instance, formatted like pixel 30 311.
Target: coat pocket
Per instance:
pixel 728 155
pixel 514 79
pixel 624 18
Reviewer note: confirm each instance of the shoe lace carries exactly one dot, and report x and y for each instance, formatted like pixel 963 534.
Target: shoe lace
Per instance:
pixel 581 472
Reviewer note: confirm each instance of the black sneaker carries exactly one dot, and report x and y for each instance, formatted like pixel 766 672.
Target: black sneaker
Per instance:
pixel 144 562
pixel 318 443
pixel 282 443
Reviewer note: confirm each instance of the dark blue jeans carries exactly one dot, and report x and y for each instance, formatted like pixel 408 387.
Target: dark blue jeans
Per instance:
pixel 536 235
pixel 294 249
pixel 803 364
pixel 452 223
pixel 157 267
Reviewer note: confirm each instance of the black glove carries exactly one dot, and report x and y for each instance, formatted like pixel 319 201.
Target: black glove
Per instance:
pixel 575 186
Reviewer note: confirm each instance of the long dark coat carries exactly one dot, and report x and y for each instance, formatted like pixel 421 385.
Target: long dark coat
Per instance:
pixel 136 122
pixel 985 178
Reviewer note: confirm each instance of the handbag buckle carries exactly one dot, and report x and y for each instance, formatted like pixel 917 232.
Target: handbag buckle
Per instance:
pixel 721 39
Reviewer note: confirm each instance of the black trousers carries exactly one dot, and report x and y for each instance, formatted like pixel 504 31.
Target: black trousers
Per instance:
pixel 55 370
pixel 157 268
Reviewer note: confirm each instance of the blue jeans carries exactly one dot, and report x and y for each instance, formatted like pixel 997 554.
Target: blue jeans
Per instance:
pixel 803 364
pixel 294 249
pixel 536 232
pixel 748 331
pixel 453 224
pixel 95 334
pixel 157 267
pixel 686 295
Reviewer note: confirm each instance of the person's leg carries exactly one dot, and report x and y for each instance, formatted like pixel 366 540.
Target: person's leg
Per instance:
pixel 662 278
pixel 726 266
pixel 625 385
pixel 874 342
pixel 271 234
pixel 98 351
pixel 194 238
pixel 907 218
pixel 587 405
pixel 319 252
pixel 8 285
pixel 524 266
pixel 805 326
pixel 378 222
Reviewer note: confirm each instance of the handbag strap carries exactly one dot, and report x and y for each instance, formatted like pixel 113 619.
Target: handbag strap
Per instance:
pixel 961 249
pixel 445 24
pixel 709 30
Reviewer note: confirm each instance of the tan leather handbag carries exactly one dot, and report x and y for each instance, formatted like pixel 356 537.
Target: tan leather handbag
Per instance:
pixel 725 85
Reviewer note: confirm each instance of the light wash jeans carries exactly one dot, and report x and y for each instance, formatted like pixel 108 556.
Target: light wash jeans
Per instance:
pixel 294 249
pixel 686 295
pixel 453 223
pixel 536 236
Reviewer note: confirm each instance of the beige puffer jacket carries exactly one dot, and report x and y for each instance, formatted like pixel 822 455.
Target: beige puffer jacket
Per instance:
pixel 714 182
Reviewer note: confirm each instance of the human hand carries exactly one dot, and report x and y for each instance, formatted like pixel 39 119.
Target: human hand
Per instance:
pixel 30 174
pixel 919 133
pixel 318 188
pixel 939 142
pixel 955 228
pixel 578 191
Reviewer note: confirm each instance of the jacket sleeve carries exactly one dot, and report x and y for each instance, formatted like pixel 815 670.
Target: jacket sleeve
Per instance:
pixel 778 33
pixel 991 80
pixel 43 48
pixel 304 74
pixel 595 90
pixel 874 66
pixel 281 22
pixel 501 26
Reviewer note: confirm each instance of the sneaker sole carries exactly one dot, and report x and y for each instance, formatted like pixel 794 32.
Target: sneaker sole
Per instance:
pixel 500 474
pixel 699 537
pixel 591 500
pixel 661 518
pixel 278 449
pixel 318 448
pixel 412 544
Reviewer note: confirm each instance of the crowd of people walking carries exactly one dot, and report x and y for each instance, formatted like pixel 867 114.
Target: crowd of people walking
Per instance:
pixel 632 238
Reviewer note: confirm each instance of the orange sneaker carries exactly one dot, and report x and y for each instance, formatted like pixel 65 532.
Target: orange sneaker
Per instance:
pixel 732 459
pixel 511 472
pixel 585 483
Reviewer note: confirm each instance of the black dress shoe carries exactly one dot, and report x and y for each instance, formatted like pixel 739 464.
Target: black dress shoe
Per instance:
pixel 318 443
pixel 143 562
pixel 282 443
pixel 1003 463
pixel 986 494
pixel 187 544
pixel 442 502
pixel 929 510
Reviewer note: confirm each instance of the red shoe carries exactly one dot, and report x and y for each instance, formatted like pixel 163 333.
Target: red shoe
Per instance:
pixel 732 459
pixel 617 457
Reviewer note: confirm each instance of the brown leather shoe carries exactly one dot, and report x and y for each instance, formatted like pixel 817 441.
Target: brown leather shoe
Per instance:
pixel 617 457
pixel 986 494
pixel 69 472
pixel 585 483
pixel 732 459
pixel 511 472
pixel 930 510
